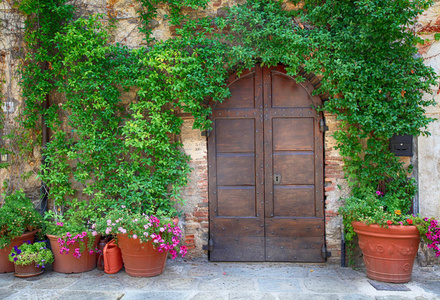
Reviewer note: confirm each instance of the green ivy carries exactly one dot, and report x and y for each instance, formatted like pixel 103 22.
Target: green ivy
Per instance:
pixel 129 154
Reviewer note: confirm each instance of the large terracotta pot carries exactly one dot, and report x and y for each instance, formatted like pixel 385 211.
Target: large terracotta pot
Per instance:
pixel 27 270
pixel 67 263
pixel 388 253
pixel 5 265
pixel 141 259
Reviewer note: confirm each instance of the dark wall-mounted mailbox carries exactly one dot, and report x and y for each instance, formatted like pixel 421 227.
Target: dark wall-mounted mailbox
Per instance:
pixel 401 145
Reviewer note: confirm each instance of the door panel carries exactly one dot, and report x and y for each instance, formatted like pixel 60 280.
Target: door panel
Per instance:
pixel 242 92
pixel 266 171
pixel 236 201
pixel 235 169
pixel 229 139
pixel 284 138
pixel 289 201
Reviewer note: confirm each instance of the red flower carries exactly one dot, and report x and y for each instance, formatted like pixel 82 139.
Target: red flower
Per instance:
pixel 409 221
pixel 389 222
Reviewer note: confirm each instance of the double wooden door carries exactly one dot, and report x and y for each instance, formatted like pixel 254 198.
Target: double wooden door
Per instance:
pixel 265 156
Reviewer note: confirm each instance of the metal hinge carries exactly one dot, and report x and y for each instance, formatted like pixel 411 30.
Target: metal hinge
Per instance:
pixel 206 133
pixel 325 253
pixel 322 126
pixel 210 246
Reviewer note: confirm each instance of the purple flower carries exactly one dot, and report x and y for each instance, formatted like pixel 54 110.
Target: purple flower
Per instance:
pixel 15 259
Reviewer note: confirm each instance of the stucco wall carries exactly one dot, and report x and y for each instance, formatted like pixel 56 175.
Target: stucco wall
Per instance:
pixel 428 154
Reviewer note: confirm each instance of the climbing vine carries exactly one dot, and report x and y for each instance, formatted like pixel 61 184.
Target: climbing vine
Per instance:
pixel 116 152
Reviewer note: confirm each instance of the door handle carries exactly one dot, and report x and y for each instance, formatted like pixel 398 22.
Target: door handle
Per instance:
pixel 277 178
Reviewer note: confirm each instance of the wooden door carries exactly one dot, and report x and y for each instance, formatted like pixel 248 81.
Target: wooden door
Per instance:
pixel 265 161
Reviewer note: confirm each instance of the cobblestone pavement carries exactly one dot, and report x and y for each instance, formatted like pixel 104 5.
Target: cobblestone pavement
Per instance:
pixel 204 280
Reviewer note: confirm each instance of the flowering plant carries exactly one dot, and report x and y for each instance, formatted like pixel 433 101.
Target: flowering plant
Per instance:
pixel 161 231
pixel 70 231
pixel 372 209
pixel 17 216
pixel 29 253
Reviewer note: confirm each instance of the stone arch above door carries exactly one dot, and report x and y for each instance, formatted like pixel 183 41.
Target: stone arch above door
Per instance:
pixel 266 181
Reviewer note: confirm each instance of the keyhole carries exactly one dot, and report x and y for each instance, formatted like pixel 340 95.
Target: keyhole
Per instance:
pixel 277 178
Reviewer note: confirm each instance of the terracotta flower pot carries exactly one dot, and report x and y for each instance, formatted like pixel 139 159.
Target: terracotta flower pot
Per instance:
pixel 388 253
pixel 5 265
pixel 112 258
pixel 141 259
pixel 67 263
pixel 27 270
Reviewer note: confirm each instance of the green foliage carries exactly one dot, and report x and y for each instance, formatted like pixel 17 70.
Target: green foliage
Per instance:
pixel 28 253
pixel 17 216
pixel 149 12
pixel 128 154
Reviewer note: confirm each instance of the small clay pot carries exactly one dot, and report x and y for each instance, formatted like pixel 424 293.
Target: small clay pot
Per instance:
pixel 26 271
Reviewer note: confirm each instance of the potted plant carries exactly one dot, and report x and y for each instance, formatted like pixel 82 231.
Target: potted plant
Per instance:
pixel 30 259
pixel 389 240
pixel 72 240
pixel 19 222
pixel 145 240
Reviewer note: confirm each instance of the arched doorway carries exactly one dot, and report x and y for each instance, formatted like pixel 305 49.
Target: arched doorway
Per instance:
pixel 265 165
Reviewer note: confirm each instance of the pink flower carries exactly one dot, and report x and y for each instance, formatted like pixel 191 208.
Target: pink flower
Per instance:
pixel 135 236
pixel 94 233
pixel 60 223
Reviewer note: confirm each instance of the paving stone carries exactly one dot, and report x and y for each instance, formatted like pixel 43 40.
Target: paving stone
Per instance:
pixel 357 297
pixel 96 284
pixel 205 270
pixel 130 283
pixel 6 280
pixel 6 292
pixel 431 286
pixel 394 297
pixel 322 272
pixel 208 296
pixel 89 295
pixel 53 284
pixel 228 284
pixel 32 295
pixel 253 281
pixel 329 285
pixel 290 296
pixel 251 296
pixel 162 283
pixel 22 284
pixel 164 295
pixel 349 273
pixel 279 285
pixel 267 272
